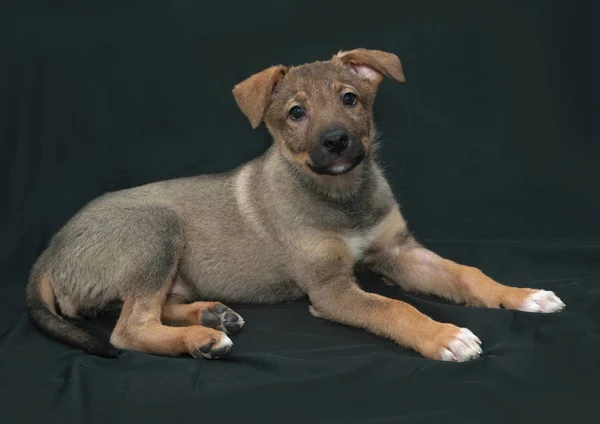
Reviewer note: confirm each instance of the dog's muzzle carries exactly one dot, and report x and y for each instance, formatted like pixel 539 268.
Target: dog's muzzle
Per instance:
pixel 338 153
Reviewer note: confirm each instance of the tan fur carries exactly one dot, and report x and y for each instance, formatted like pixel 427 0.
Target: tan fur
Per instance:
pixel 140 328
pixel 338 297
pixel 67 307
pixel 47 293
pixel 392 227
pixel 253 94
pixel 175 312
pixel 404 262
pixel 389 318
pixel 366 143
pixel 301 96
pixel 337 187
pixel 345 302
pixel 385 63
pixel 301 158
pixel 285 225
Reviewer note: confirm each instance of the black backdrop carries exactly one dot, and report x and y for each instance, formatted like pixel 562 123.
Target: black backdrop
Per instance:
pixel 489 146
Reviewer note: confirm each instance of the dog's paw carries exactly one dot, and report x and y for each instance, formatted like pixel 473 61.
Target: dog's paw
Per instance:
pixel 542 301
pixel 451 343
pixel 464 347
pixel 210 346
pixel 222 318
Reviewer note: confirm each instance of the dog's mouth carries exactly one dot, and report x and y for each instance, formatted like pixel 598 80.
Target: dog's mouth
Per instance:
pixel 338 166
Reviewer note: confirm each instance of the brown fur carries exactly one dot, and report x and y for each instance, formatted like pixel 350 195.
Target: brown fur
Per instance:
pixel 291 223
pixel 322 106
pixel 175 312
pixel 385 63
pixel 252 95
pixel 399 258
pixel 47 294
pixel 386 317
pixel 139 328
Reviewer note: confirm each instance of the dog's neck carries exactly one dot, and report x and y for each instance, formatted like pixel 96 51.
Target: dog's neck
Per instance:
pixel 345 188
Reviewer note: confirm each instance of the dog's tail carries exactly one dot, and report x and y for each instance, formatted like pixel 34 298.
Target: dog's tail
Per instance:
pixel 42 311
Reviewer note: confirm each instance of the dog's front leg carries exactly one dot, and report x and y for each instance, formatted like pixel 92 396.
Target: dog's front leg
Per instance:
pixel 404 262
pixel 415 268
pixel 334 294
pixel 341 300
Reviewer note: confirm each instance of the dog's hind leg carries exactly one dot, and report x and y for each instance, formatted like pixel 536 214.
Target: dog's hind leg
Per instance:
pixel 139 328
pixel 144 293
pixel 209 314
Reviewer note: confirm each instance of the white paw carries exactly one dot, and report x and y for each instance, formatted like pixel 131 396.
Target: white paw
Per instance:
pixel 219 349
pixel 542 301
pixel 225 343
pixel 465 346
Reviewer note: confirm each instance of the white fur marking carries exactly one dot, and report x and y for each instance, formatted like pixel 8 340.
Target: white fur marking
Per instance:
pixel 225 342
pixel 464 347
pixel 542 301
pixel 243 200
pixel 394 251
pixel 338 169
pixel 448 356
pixel 358 243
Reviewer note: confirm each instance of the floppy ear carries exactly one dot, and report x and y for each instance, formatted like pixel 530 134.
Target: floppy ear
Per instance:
pixel 372 64
pixel 253 95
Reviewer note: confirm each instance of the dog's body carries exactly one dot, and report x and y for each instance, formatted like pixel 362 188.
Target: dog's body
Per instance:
pixel 290 223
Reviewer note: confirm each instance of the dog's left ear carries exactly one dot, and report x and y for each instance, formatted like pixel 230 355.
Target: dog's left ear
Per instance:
pixel 253 95
pixel 372 64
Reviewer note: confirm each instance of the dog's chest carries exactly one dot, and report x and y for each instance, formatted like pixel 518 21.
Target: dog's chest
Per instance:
pixel 358 242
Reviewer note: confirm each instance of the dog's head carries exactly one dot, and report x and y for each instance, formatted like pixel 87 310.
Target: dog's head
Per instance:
pixel 320 114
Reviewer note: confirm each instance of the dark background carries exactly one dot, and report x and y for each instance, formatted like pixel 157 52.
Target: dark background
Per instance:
pixel 489 146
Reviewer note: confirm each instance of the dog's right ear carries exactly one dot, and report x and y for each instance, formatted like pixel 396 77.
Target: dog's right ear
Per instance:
pixel 253 95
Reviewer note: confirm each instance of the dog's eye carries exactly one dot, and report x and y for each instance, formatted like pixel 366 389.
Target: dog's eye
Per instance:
pixel 296 112
pixel 349 99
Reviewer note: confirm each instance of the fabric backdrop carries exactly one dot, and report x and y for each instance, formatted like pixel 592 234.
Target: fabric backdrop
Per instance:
pixel 489 147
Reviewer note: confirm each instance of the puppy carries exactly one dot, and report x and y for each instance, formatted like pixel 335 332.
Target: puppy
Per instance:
pixel 293 222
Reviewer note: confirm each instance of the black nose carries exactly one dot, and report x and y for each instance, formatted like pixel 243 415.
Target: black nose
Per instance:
pixel 335 141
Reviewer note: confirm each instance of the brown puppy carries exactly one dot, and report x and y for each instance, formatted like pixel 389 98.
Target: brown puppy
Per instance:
pixel 290 223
